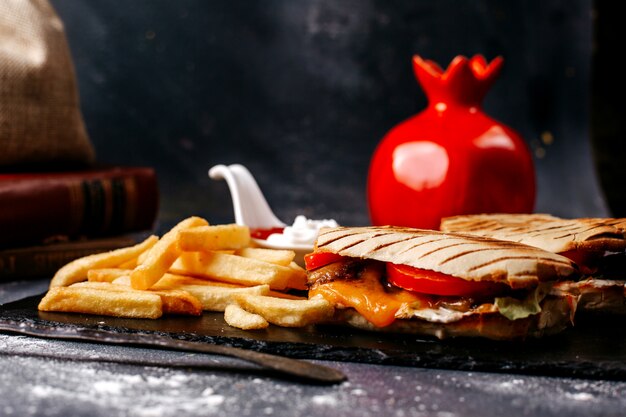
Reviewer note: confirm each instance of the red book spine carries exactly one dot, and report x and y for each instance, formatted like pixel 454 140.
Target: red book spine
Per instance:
pixel 45 260
pixel 35 207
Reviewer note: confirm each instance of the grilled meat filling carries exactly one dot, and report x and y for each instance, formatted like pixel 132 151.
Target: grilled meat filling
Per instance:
pixel 348 269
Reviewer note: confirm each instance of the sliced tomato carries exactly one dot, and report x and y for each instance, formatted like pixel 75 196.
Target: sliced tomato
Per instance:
pixel 319 259
pixel 436 283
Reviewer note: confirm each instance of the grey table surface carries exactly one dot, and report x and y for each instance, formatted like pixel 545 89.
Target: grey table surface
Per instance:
pixel 32 385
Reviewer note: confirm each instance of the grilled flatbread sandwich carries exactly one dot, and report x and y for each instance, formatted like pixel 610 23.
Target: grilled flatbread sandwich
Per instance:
pixel 441 284
pixel 596 245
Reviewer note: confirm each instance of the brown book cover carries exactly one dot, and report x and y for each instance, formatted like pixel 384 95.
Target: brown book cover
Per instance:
pixel 100 202
pixel 45 260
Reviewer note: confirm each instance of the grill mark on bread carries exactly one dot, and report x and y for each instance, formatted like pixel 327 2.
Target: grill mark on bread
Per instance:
pixel 423 243
pixel 387 232
pixel 507 258
pixel 350 245
pixel 596 226
pixel 491 226
pixel 383 245
pixel 402 241
pixel 341 236
pixel 363 239
pixel 505 245
pixel 344 235
pixel 552 229
pixel 477 225
pixel 469 252
pixel 444 247
pixel 502 244
pixel 523 230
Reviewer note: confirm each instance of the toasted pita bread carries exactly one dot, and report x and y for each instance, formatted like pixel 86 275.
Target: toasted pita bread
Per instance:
pixel 619 224
pixel 472 258
pixel 544 231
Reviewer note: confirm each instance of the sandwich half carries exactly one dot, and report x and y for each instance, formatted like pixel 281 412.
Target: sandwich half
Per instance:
pixel 596 245
pixel 441 284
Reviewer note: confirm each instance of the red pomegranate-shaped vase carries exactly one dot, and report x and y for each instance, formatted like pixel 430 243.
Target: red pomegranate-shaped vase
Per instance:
pixel 451 158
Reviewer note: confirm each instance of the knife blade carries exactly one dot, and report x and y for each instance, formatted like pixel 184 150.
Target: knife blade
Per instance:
pixel 300 370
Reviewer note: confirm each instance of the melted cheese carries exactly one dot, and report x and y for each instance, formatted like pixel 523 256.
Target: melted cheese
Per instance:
pixel 367 296
pixel 381 308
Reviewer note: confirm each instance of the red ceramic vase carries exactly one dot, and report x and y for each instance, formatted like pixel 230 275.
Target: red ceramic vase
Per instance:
pixel 451 158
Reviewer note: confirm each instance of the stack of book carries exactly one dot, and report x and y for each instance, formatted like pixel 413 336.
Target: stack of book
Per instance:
pixel 49 219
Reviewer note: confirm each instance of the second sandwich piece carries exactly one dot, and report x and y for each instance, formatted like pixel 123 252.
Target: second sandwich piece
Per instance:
pixel 596 245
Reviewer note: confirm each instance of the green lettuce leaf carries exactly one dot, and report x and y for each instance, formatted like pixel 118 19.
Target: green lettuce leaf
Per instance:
pixel 514 309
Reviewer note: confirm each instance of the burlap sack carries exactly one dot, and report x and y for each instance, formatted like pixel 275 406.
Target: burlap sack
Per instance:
pixel 40 119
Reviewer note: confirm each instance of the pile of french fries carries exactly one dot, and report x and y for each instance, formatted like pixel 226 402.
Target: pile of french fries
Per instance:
pixel 193 267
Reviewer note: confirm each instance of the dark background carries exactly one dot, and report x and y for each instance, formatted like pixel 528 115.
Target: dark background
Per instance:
pixel 302 91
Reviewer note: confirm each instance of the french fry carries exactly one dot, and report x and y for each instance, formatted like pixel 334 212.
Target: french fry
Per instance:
pixel 76 270
pixel 131 304
pixel 233 269
pixel 174 280
pixel 103 286
pixel 237 317
pixel 274 256
pixel 173 301
pixel 130 264
pixel 298 278
pixel 105 274
pixel 193 267
pixel 212 296
pixel 161 256
pixel 122 280
pixel 180 302
pixel 141 258
pixel 284 312
pixel 205 238
pixel 218 298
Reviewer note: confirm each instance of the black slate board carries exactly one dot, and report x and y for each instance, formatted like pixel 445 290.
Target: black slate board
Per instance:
pixel 595 349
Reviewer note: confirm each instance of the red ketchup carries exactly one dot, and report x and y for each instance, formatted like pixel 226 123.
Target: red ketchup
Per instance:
pixel 263 234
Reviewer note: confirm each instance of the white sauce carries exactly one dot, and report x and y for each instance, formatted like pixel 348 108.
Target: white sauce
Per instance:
pixel 436 315
pixel 303 232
